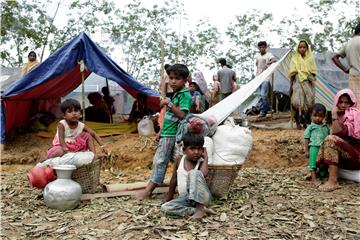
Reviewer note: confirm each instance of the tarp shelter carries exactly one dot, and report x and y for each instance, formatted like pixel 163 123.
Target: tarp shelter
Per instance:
pixel 60 74
pixel 330 79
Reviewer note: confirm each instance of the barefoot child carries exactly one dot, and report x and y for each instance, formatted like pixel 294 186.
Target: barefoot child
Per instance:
pixel 314 136
pixel 176 109
pixel 189 175
pixel 72 135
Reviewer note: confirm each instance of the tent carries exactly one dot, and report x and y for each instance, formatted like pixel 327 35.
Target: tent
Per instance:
pixel 60 74
pixel 330 79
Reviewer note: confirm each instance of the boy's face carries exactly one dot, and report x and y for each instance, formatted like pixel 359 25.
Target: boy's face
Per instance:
pixel 317 117
pixel 176 82
pixel 194 153
pixel 192 88
pixel 262 50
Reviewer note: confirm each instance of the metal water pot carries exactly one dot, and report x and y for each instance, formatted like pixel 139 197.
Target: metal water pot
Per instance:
pixel 63 193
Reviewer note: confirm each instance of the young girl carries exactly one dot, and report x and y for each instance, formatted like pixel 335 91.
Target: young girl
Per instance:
pixel 189 175
pixel 314 136
pixel 302 74
pixel 72 135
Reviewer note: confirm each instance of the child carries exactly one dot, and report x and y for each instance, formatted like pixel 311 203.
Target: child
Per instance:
pixel 189 175
pixel 72 135
pixel 314 136
pixel 195 98
pixel 177 109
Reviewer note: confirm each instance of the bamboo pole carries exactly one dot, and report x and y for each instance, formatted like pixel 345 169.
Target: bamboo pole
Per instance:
pixel 82 68
pixel 272 91
pixel 118 194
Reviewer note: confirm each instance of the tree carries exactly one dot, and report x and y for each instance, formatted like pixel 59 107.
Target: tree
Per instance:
pixel 139 31
pixel 20 31
pixel 244 34
pixel 26 25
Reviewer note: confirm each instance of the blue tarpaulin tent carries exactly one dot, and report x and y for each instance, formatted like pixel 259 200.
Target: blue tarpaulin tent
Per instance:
pixel 59 75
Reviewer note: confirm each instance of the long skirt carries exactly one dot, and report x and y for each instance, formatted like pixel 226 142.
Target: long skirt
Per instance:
pixel 337 151
pixel 303 97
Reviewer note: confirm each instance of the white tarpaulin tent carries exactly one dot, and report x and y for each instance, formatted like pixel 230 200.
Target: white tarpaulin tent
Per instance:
pixel 225 107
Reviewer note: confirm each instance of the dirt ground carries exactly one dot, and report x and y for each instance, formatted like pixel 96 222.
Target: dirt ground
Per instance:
pixel 268 200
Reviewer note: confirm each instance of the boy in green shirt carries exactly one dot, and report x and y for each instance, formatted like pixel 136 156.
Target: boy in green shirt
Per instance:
pixel 314 136
pixel 176 110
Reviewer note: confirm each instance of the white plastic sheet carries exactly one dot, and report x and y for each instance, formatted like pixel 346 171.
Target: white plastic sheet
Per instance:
pixel 225 107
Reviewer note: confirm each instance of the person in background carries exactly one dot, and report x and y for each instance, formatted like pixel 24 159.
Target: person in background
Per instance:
pixel 109 100
pixel 341 149
pixel 139 108
pixel 32 62
pixel 99 112
pixel 195 98
pixel 314 136
pixel 351 51
pixel 302 74
pixel 263 60
pixel 226 77
pixel 215 95
pixel 199 79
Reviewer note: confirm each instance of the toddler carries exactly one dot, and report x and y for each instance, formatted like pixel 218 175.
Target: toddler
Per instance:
pixel 314 136
pixel 72 135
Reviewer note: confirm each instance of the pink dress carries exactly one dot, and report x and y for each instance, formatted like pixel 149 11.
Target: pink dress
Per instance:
pixel 75 139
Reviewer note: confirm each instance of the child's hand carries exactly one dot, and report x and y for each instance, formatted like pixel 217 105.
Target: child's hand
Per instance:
pixel 157 137
pixel 307 154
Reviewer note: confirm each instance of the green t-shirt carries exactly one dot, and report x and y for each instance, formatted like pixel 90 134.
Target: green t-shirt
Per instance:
pixel 316 134
pixel 181 99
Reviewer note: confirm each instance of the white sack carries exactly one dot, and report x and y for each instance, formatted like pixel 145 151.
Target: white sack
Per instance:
pixel 353 175
pixel 209 145
pixel 232 144
pixel 78 159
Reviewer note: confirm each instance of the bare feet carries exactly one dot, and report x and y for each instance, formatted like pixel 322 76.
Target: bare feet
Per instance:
pixel 210 211
pixel 199 212
pixel 316 183
pixel 329 186
pixel 142 194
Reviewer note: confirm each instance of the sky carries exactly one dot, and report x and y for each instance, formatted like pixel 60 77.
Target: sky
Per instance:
pixel 219 13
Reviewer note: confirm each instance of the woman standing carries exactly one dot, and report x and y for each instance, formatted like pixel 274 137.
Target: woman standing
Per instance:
pixel 342 148
pixel 32 62
pixel 302 74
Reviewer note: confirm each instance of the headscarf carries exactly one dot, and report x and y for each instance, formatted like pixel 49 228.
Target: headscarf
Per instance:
pixel 28 66
pixel 302 66
pixel 351 118
pixel 200 80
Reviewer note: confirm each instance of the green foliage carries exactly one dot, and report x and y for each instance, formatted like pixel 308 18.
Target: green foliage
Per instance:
pixel 245 34
pixel 139 31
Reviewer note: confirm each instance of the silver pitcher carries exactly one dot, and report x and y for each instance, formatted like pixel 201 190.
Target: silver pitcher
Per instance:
pixel 63 193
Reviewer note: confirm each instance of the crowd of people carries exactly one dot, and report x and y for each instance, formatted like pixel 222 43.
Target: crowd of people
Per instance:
pixel 330 145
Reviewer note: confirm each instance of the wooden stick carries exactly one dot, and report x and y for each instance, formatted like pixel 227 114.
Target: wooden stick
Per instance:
pixel 118 194
pixel 118 187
